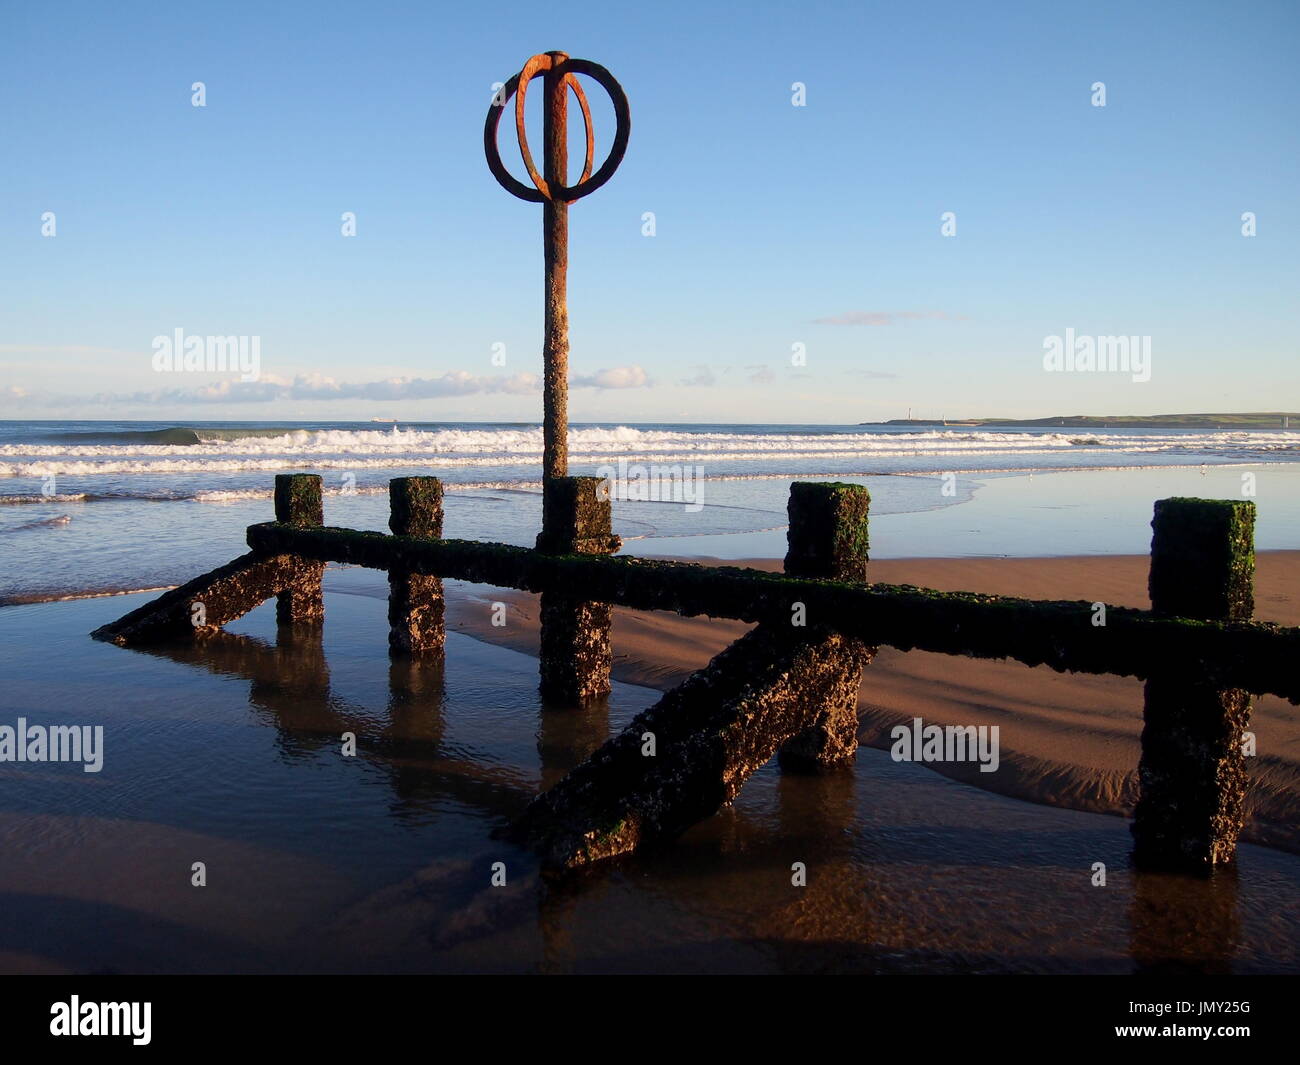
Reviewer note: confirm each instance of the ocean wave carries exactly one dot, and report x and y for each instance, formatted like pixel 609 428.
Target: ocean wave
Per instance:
pixel 503 444
pixel 67 497
pixel 40 523
pixel 175 436
pixel 240 495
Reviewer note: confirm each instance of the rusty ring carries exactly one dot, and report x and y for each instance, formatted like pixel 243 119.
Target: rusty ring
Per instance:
pixel 589 182
pixel 540 64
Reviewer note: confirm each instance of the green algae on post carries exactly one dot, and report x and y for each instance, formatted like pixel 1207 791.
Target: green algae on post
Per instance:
pixel 1256 656
pixel 298 499
pixel 415 507
pixel 1203 558
pixel 828 534
pixel 574 651
pixel 416 606
pixel 1192 772
pixel 828 537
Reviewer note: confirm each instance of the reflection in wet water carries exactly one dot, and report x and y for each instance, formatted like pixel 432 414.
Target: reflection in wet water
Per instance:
pixel 233 751
pixel 1180 931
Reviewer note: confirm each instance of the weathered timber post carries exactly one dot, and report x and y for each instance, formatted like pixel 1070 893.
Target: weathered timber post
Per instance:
pixel 415 602
pixel 779 686
pixel 1193 772
pixel 691 752
pixel 575 653
pixel 828 538
pixel 828 535
pixel 298 503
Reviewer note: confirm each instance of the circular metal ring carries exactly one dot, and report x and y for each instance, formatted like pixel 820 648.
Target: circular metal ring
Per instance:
pixel 540 64
pixel 517 86
pixel 504 178
pixel 622 129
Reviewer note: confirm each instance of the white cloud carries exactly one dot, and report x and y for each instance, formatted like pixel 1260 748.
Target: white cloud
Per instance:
pixel 617 377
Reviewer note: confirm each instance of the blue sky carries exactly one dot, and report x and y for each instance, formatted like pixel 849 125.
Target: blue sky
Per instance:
pixel 775 225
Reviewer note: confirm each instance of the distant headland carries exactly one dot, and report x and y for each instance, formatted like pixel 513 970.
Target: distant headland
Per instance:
pixel 1266 420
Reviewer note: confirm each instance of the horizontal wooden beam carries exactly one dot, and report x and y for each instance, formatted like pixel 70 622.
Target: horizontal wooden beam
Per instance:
pixel 1257 657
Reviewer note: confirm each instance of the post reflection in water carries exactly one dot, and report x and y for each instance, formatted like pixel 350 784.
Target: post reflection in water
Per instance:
pixel 725 893
pixel 1184 924
pixel 568 735
pixel 290 682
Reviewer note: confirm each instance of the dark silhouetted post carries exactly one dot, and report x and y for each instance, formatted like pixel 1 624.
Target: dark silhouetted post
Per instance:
pixel 298 503
pixel 1193 770
pixel 415 601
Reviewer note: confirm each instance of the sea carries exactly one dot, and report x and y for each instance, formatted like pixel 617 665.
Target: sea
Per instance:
pixel 97 507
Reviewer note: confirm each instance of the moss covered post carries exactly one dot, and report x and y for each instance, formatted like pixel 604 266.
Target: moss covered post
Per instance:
pixel 298 503
pixel 1193 769
pixel 787 687
pixel 828 539
pixel 575 653
pixel 415 602
pixel 691 752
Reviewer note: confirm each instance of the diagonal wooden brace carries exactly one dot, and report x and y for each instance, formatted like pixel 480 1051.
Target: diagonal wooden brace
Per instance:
pixel 199 609
pixel 689 754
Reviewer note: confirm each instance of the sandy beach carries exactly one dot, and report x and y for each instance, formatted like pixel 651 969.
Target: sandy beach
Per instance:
pixel 228 752
pixel 1069 740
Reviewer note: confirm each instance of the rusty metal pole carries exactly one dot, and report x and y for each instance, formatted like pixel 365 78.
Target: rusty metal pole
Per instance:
pixel 555 238
pixel 552 190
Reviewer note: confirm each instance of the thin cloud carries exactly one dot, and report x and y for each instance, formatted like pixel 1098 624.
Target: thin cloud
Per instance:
pixel 704 378
pixel 306 387
pixel 59 349
pixel 888 317
pixel 270 388
pixel 617 377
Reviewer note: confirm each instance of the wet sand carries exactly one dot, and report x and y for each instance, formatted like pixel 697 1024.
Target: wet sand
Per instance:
pixel 1068 740
pixel 229 753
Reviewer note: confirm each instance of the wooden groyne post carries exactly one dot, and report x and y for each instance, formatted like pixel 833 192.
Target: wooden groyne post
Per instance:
pixel 789 685
pixel 575 652
pixel 416 608
pixel 299 503
pixel 829 539
pixel 1193 769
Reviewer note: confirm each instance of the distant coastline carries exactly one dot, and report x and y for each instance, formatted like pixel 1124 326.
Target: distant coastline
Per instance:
pixel 1267 420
